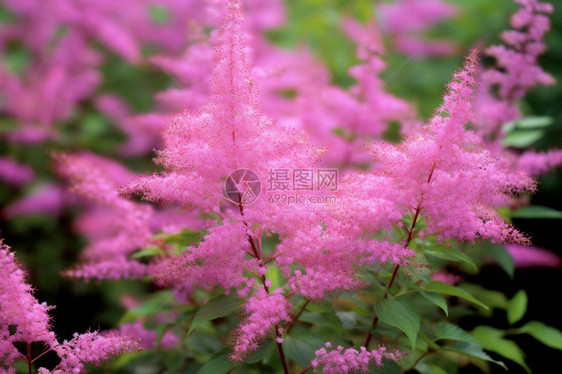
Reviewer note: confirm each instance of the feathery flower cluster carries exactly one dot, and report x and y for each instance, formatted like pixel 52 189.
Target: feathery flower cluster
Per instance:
pixel 23 319
pixel 447 176
pixel 89 348
pixel 350 360
pixel 263 311
pixel 517 69
pixel 106 257
pixel 19 310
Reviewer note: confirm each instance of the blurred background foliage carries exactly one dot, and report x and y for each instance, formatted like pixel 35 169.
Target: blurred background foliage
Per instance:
pixel 47 246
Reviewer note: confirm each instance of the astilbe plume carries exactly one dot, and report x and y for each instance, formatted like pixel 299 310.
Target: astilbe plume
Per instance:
pixel 516 71
pixel 89 348
pixel 230 133
pixel 364 111
pixel 106 257
pixel 350 360
pixel 264 311
pixel 24 319
pixel 447 176
pixel 332 253
pixel 538 163
pixel 45 198
pixel 19 309
pixel 405 20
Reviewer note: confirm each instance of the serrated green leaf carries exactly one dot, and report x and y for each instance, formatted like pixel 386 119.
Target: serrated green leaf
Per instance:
pixel 522 139
pixel 545 334
pixel 503 258
pixel 537 211
pixel 220 363
pixel 219 307
pixel 448 331
pixel 394 313
pixel 517 307
pixel 472 350
pixel 492 340
pixel 450 254
pixel 437 300
pixel 447 289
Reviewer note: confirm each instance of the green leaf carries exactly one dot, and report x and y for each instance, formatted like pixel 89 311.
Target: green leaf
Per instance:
pixel 161 330
pixel 219 307
pixel 159 302
pixel 492 340
pixel 261 353
pixel 502 257
pixel 301 345
pixel 394 313
pixel 472 350
pixel 426 368
pixel 274 274
pixel 522 139
pixel 537 211
pixel 447 289
pixel 148 252
pixel 543 333
pixel 517 307
pixel 529 123
pixel 388 367
pixel 220 363
pixel 437 300
pixel 492 298
pixel 448 331
pixel 450 254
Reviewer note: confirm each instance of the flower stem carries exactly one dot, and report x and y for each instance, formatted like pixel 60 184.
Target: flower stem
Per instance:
pixel 297 316
pixel 259 255
pixel 28 359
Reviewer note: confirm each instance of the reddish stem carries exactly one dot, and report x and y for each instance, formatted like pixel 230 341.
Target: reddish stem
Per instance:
pixel 28 358
pixel 406 244
pixel 258 254
pixel 297 316
pixel 305 370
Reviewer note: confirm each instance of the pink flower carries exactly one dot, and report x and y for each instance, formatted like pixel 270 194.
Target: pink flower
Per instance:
pixel 350 360
pixel 90 347
pixel 263 311
pixel 447 176
pixel 405 20
pixel 106 257
pixel 15 174
pixel 538 163
pixel 526 257
pixel 517 69
pixel 23 319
